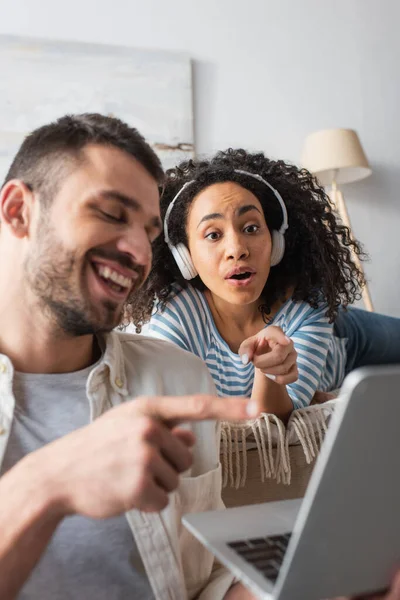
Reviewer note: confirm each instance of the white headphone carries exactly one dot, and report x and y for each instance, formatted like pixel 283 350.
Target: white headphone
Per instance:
pixel 181 254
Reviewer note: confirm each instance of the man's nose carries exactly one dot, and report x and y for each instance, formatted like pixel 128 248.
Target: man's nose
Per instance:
pixel 138 246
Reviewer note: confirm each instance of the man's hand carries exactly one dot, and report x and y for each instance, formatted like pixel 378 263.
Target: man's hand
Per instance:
pixel 131 457
pixel 239 592
pixel 272 353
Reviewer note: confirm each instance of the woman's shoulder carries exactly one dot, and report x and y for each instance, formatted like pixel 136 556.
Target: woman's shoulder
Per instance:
pixel 187 309
pixel 183 319
pixel 299 312
pixel 187 301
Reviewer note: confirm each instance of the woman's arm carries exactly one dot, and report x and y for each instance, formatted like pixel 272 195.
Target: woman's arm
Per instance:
pixel 275 365
pixel 312 336
pixel 271 397
pixel 297 367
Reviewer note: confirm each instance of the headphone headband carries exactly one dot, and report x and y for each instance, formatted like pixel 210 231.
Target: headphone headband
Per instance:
pixel 277 195
pixel 170 207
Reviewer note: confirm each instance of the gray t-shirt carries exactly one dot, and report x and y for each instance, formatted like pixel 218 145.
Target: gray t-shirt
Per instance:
pixel 86 558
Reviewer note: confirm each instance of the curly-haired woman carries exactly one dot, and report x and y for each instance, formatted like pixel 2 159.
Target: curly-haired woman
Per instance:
pixel 270 270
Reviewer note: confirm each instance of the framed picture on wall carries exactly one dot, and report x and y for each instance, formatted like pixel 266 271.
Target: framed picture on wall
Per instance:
pixel 43 80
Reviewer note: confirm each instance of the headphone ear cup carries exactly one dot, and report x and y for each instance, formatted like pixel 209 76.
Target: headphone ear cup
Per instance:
pixel 278 247
pixel 184 261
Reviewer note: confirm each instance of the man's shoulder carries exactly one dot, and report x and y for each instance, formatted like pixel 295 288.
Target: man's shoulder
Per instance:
pixel 155 367
pixel 157 350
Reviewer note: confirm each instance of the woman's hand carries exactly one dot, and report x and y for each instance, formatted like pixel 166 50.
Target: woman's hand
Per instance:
pixel 273 353
pixel 321 397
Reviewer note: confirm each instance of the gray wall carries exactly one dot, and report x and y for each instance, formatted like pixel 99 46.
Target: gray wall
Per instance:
pixel 266 73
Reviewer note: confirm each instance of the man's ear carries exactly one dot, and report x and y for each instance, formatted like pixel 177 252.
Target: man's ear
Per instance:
pixel 16 203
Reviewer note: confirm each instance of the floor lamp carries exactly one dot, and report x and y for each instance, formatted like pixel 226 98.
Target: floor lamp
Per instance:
pixel 336 156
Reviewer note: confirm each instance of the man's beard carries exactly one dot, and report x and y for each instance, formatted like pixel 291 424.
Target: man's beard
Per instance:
pixel 52 275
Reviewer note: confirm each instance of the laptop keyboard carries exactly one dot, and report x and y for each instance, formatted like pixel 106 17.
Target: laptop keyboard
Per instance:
pixel 265 554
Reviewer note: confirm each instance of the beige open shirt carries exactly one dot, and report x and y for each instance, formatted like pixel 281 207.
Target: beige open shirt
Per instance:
pixel 177 566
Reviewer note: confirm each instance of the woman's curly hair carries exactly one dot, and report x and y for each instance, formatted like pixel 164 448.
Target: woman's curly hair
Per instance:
pixel 318 259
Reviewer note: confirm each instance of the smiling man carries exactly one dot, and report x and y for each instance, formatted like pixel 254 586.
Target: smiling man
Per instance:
pixel 86 474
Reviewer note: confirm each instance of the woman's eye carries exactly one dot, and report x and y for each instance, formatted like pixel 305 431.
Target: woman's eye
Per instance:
pixel 213 236
pixel 251 229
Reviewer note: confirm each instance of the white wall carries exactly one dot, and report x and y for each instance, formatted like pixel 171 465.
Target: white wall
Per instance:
pixel 266 73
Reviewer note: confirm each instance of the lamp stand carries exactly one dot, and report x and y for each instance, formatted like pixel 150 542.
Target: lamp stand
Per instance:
pixel 337 199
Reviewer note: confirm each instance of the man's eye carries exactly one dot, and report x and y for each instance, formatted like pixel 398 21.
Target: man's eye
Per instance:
pixel 113 218
pixel 213 236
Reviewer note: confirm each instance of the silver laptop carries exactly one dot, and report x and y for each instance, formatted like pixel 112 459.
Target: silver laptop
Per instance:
pixel 343 538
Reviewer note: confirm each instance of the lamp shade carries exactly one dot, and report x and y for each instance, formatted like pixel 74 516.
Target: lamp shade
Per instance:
pixel 335 154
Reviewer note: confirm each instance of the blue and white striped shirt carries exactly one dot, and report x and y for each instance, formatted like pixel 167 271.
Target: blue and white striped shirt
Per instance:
pixel 187 321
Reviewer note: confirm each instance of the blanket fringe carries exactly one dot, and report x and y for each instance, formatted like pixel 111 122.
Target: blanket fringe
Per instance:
pixel 306 426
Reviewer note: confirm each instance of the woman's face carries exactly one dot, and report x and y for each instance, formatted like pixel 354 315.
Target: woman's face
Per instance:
pixel 229 242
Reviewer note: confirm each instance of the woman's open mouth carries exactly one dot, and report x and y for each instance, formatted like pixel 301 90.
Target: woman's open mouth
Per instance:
pixel 241 279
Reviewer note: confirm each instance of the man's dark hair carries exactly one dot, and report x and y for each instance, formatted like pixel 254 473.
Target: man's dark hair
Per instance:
pixel 48 153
